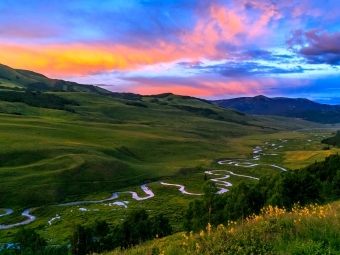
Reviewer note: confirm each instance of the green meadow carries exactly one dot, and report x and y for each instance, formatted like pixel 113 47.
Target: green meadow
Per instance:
pixel 104 144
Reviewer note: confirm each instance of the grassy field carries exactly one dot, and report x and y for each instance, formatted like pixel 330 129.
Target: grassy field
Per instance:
pixel 167 200
pixel 309 230
pixel 112 144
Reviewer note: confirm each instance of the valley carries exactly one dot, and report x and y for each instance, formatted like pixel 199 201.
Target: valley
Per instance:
pixel 91 156
pixel 170 194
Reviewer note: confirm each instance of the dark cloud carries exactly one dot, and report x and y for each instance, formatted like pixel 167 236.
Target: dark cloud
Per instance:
pixel 251 68
pixel 260 54
pixel 243 69
pixel 316 46
pixel 190 64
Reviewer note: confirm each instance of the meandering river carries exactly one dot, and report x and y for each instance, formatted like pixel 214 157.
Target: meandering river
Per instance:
pixel 221 183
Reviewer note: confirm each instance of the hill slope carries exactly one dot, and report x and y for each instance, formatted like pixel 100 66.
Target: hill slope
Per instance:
pixel 308 230
pixel 17 79
pixel 281 106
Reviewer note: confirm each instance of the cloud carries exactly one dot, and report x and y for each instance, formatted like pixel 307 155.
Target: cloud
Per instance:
pixel 204 85
pixel 316 46
pixel 237 69
pixel 104 37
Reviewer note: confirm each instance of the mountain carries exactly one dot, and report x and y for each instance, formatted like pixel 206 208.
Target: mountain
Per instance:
pixel 282 106
pixel 18 79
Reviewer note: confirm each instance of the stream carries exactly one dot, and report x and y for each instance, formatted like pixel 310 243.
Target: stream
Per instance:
pixel 221 183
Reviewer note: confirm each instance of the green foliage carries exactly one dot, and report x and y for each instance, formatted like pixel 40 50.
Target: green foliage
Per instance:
pixel 136 228
pixel 318 182
pixel 136 104
pixel 28 242
pixel 304 230
pixel 241 201
pixel 334 140
pixel 28 239
pixel 37 99
pixel 82 241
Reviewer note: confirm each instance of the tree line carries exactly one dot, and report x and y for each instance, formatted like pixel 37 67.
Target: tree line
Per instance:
pixel 334 140
pixel 317 183
pixel 37 99
pixel 138 227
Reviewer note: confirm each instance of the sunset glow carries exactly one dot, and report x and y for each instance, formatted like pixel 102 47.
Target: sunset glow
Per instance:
pixel 209 49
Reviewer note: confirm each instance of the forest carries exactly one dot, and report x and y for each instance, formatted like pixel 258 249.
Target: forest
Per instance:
pixel 334 140
pixel 138 227
pixel 37 99
pixel 316 183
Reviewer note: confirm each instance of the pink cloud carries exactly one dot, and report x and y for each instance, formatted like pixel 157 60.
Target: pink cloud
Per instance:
pixel 200 86
pixel 220 24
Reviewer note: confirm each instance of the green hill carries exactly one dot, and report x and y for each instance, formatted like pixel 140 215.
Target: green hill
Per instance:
pixel 17 79
pixel 104 143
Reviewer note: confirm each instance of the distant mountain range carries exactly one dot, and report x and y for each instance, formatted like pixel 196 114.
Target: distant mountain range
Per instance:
pixel 282 106
pixel 23 80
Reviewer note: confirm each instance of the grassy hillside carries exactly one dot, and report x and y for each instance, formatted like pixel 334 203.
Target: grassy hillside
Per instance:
pixel 17 79
pixel 107 140
pixel 108 144
pixel 304 230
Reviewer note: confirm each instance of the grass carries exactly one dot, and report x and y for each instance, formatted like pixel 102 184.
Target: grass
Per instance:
pixel 77 157
pixel 312 229
pixel 106 145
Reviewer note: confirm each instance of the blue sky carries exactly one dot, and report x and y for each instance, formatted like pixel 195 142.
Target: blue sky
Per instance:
pixel 210 49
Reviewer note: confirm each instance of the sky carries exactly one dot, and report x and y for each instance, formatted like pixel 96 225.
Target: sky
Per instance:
pixel 211 49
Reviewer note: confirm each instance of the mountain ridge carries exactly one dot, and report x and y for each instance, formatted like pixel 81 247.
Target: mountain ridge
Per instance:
pixel 282 106
pixel 20 79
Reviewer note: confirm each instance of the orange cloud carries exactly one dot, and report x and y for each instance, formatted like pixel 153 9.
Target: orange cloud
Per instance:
pixel 221 25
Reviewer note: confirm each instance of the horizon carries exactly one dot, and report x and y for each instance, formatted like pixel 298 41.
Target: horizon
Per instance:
pixel 213 50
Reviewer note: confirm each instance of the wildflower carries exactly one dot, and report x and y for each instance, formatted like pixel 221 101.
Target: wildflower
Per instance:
pixel 220 227
pixel 209 228
pixel 202 233
pixel 185 236
pixel 198 247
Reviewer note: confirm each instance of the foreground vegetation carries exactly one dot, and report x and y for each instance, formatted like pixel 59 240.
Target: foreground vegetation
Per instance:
pixel 318 182
pixel 312 229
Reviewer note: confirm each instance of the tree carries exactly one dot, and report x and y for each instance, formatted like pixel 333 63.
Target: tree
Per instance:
pixel 210 191
pixel 100 233
pixel 82 241
pixel 135 229
pixel 160 226
pixel 29 241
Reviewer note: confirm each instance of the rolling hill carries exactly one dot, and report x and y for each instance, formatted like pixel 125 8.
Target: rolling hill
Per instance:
pixel 18 79
pixel 281 106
